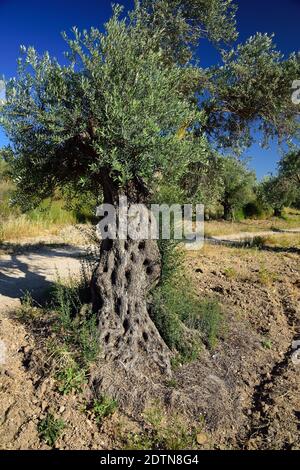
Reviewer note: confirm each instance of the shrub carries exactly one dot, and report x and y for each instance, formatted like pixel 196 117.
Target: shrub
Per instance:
pixel 50 429
pixel 257 242
pixel 182 319
pixel 255 210
pixel 77 336
pixel 209 320
pixel 102 408
pixel 173 303
pixel 70 379
pixel 238 215
pixel 76 319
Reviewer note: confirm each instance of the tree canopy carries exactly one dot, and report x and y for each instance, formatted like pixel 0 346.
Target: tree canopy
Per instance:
pixel 134 102
pixel 283 189
pixel 107 119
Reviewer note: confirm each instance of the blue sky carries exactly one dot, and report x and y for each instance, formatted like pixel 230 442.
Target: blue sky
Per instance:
pixel 37 23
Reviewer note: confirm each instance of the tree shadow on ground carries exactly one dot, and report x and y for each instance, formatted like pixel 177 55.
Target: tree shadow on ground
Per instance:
pixel 18 277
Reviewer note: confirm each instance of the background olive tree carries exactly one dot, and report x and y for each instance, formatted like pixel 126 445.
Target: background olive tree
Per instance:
pixel 282 190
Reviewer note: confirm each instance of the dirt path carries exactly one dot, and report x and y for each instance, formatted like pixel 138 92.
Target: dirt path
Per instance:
pixel 243 236
pixel 34 270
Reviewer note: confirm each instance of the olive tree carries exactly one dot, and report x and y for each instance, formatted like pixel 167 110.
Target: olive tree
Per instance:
pixel 274 193
pixel 282 190
pixel 106 123
pixel 131 104
pixel 238 186
pixel 289 168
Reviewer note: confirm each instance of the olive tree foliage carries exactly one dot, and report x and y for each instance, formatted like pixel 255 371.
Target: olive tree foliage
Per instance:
pixel 104 123
pixel 203 180
pixel 130 104
pixel 185 22
pixel 237 188
pixel 289 168
pixel 282 190
pixel 252 89
pixel 274 193
pixel 289 171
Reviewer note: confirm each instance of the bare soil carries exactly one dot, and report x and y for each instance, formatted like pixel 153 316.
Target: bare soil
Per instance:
pixel 260 292
pixel 246 392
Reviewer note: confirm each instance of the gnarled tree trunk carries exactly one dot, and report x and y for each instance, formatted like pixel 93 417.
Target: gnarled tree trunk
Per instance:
pixel 130 342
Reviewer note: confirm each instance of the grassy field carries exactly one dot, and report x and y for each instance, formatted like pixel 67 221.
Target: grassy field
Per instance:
pixel 48 219
pixel 286 240
pixel 289 220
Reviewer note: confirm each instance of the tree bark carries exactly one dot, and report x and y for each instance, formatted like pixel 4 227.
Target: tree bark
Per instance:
pixel 277 212
pixel 227 211
pixel 130 342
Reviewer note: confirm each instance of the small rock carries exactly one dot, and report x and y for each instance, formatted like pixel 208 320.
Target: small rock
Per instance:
pixel 62 409
pixel 202 438
pixel 44 405
pixel 43 387
pixel 199 270
pixel 296 358
pixel 295 345
pixel 9 374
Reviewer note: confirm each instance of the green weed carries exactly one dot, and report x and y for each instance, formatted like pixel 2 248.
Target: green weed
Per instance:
pixel 71 379
pixel 164 432
pixel 230 273
pixel 209 320
pixel 50 429
pixel 102 408
pixel 183 319
pixel 267 343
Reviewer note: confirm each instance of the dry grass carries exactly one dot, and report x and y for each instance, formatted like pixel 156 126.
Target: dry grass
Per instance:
pixel 18 228
pixel 290 220
pixel 6 188
pixel 287 240
pixel 48 219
